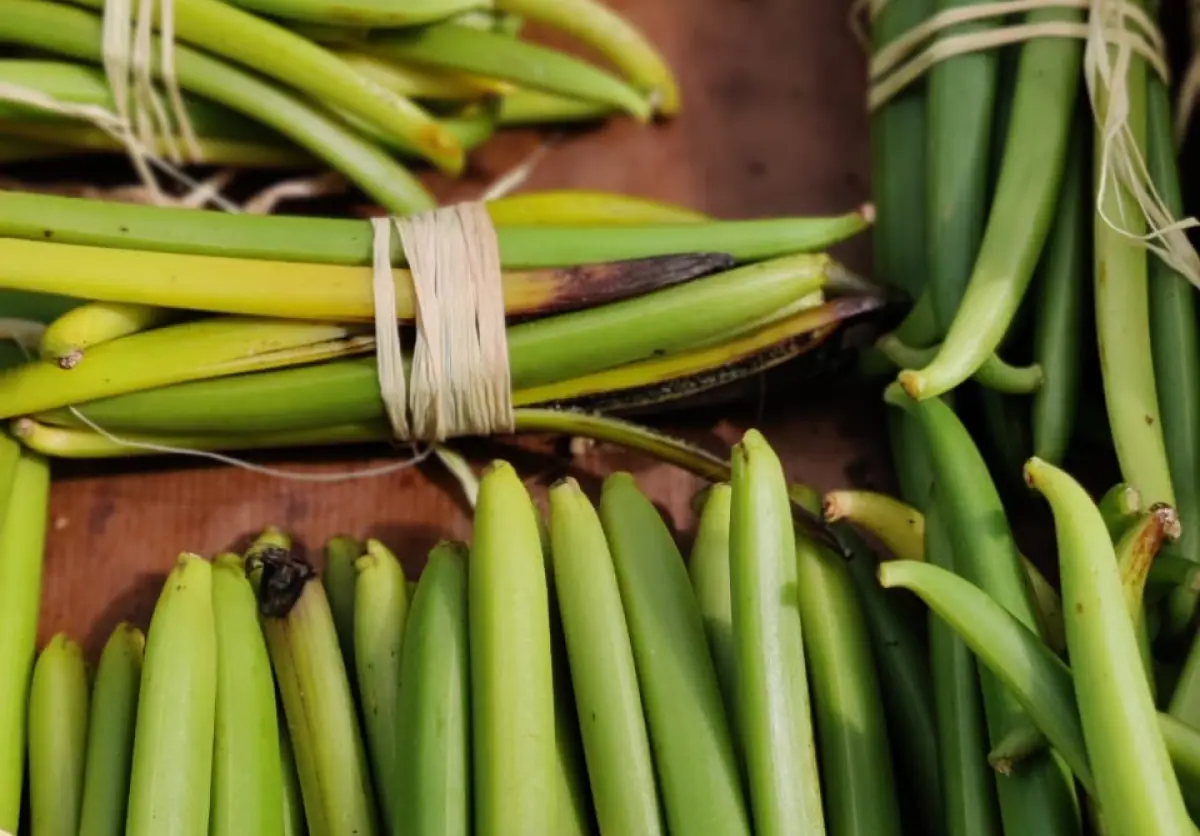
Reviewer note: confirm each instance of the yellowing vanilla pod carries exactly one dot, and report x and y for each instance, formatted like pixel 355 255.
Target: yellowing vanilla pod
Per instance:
pixel 512 685
pixel 330 755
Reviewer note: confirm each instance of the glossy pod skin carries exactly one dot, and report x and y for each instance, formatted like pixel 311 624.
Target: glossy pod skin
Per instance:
pixel 110 733
pixel 773 700
pixel 169 790
pixel 616 744
pixel 970 793
pixel 433 767
pixel 859 786
pixel 690 736
pixel 512 685
pixel 58 718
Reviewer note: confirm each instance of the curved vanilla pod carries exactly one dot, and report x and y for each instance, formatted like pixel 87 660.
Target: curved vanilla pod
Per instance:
pixel 603 676
pixel 58 719
pixel 699 781
pixel 24 498
pixel 512 684
pixel 1022 209
pixel 110 733
pixel 380 611
pixel 901 530
pixel 1136 786
pixel 170 785
pixel 602 29
pixel 331 758
pixel 994 373
pixel 247 794
pixel 67 338
pixel 433 764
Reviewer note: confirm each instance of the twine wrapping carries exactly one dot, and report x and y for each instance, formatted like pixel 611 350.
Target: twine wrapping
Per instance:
pixel 458 382
pixel 1116 31
pixel 128 59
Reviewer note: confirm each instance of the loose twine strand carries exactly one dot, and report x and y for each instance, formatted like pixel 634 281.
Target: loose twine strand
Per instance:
pixel 1115 32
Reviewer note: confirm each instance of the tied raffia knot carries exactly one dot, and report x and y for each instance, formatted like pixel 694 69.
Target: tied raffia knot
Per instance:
pixel 458 381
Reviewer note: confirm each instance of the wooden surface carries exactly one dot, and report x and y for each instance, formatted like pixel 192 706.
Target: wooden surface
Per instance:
pixel 773 125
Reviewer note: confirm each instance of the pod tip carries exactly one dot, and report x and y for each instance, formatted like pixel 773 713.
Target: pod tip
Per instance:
pixel 867 210
pixel 1168 520
pixel 913 383
pixel 1032 470
pixel 832 507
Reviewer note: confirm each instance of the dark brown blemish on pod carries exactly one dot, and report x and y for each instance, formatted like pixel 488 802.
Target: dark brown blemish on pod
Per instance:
pixel 588 285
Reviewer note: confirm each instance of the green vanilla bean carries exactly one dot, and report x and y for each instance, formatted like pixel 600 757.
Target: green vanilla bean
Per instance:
pixel 1123 313
pixel 380 612
pixel 1058 335
pixel 72 220
pixel 72 83
pixel 774 710
pixel 433 791
pixel 902 660
pixel 495 55
pixel 170 785
pixel 962 728
pixel 247 769
pixel 899 162
pixel 110 733
pixel 602 29
pixel 341 579
pixel 690 734
pixel 960 106
pixel 24 489
pixel 1175 343
pixel 78 33
pixel 58 719
pixel 852 735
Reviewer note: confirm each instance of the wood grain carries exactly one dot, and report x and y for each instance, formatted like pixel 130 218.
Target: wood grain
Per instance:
pixel 773 124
